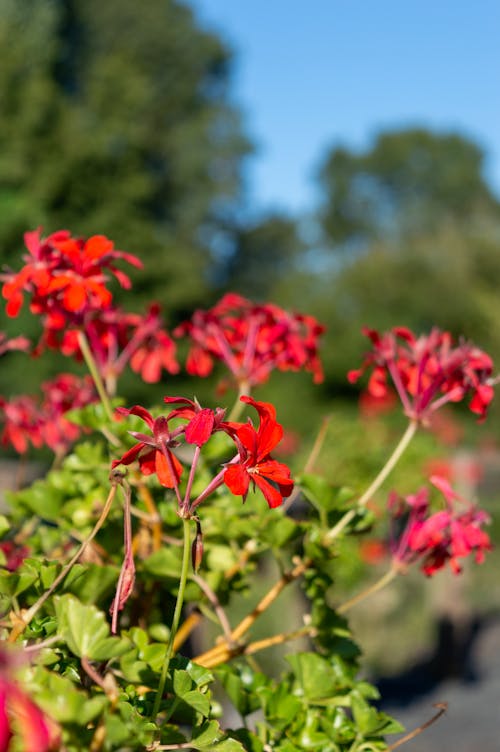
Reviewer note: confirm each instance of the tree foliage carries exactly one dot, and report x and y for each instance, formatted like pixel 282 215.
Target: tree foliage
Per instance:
pixel 410 229
pixel 409 182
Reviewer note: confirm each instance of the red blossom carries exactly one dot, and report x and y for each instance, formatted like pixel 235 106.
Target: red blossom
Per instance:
pixel 118 338
pixel 254 462
pixel 65 277
pixel 14 554
pixel 41 421
pixel 427 372
pixel 435 539
pixel 153 452
pixel 252 340
pixel 202 421
pixel 20 717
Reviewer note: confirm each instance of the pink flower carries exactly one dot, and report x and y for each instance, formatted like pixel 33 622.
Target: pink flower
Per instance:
pixel 435 539
pixel 427 372
pixel 16 343
pixel 252 340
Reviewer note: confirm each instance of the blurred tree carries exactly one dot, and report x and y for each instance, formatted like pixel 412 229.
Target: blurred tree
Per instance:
pixel 116 119
pixel 264 254
pixel 408 183
pixel 411 233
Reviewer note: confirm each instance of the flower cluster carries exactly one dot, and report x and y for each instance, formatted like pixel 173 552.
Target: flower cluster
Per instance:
pixel 252 463
pixel 42 422
pixel 66 281
pixel 427 371
pixel 65 277
pixel 117 338
pixel 436 539
pixel 252 340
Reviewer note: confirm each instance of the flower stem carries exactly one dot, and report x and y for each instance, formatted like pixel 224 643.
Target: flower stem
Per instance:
pixel 176 618
pixel 28 615
pixel 94 372
pixel 313 456
pixel 370 590
pixel 244 390
pixel 222 651
pixel 377 482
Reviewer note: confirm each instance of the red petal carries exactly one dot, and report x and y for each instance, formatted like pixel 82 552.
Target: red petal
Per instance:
pixel 97 246
pixel 270 493
pixel 75 297
pixel 163 471
pixel 199 429
pixel 237 480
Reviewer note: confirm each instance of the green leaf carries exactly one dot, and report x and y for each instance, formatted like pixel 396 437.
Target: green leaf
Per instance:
pixel 317 677
pixel 64 702
pixel 164 564
pixel 86 631
pixel 4 525
pixel 197 701
pixel 231 745
pixel 248 740
pixel 90 582
pixel 323 494
pixel 220 558
pixel 280 534
pixel 205 735
pixel 240 683
pixel 182 683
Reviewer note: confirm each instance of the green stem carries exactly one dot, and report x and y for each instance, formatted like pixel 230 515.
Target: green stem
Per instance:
pixel 175 621
pixel 31 612
pixel 236 410
pixel 370 590
pixel 377 482
pixel 94 372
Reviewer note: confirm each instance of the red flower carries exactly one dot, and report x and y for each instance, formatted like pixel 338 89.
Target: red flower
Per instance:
pixel 254 462
pixel 252 340
pixel 42 421
pixel 117 338
pixel 202 422
pixel 65 277
pixel 445 536
pixel 22 423
pixel 427 372
pixel 153 452
pixel 14 554
pixel 21 718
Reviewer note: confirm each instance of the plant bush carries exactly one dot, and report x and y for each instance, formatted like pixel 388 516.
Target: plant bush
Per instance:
pixel 137 540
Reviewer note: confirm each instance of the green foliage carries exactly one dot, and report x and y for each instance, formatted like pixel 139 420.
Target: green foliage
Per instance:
pixel 407 183
pixel 318 703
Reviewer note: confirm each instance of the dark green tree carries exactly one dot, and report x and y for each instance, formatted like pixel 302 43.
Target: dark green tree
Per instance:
pixel 411 231
pixel 264 256
pixel 407 183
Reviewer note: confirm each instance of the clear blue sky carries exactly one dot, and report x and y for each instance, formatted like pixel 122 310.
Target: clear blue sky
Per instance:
pixel 312 74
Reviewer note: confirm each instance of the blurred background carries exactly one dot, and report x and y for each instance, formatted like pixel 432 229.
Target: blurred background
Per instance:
pixel 341 159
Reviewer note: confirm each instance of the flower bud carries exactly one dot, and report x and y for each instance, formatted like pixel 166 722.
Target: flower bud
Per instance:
pixel 197 548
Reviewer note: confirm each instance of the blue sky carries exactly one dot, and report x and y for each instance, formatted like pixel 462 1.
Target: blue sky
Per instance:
pixel 317 73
